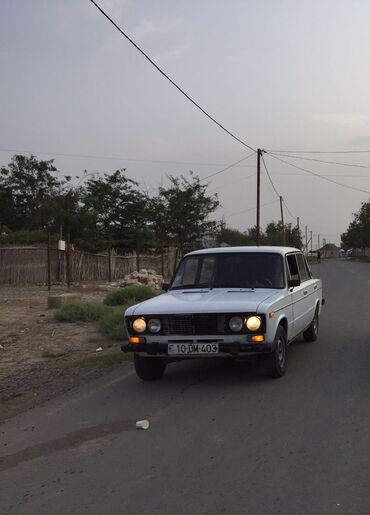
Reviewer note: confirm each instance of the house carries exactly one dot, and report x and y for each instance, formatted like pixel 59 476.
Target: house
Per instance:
pixel 330 250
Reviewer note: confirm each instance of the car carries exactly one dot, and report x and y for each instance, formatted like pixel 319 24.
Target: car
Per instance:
pixel 227 302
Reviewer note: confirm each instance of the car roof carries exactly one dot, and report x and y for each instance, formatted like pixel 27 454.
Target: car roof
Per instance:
pixel 246 250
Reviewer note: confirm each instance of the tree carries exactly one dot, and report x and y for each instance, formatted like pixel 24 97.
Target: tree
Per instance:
pixel 119 207
pixel 234 238
pixel 27 187
pixel 186 209
pixel 273 235
pixel 358 232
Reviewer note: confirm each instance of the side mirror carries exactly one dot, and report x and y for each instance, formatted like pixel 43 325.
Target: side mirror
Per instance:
pixel 292 283
pixel 165 286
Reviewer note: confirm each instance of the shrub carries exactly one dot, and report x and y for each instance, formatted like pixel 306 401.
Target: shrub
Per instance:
pixel 81 312
pixel 130 295
pixel 111 324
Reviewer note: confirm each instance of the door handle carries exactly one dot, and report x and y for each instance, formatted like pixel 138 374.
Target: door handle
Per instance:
pixel 315 287
pixel 305 292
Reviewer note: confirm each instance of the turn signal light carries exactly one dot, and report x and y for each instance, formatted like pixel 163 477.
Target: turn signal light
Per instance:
pixel 136 339
pixel 258 338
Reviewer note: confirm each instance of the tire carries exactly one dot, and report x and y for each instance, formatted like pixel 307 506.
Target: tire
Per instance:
pixel 149 369
pixel 312 332
pixel 276 361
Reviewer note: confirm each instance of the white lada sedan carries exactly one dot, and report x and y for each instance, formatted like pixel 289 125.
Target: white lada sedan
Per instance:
pixel 227 302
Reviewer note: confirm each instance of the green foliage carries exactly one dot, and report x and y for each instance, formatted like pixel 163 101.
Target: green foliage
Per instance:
pixel 27 187
pixel 112 324
pixel 129 295
pixel 273 235
pixel 358 232
pixel 234 238
pixel 81 312
pixel 185 208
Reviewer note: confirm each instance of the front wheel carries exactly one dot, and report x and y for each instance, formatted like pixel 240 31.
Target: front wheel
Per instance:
pixel 276 361
pixel 148 368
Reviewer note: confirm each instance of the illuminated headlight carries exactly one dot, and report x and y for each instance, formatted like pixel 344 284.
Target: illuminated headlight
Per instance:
pixel 139 325
pixel 236 324
pixel 154 325
pixel 253 323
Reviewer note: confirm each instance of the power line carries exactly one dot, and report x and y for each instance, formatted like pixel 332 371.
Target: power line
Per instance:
pixel 169 79
pixel 318 175
pixel 319 151
pixel 269 176
pixel 228 167
pixel 225 185
pixel 250 209
pixel 113 158
pixel 321 161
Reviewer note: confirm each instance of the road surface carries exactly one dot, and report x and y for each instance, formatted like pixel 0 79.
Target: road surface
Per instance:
pixel 222 437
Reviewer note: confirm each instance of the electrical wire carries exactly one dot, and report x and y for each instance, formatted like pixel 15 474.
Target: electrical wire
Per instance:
pixel 250 209
pixel 319 151
pixel 169 79
pixel 269 176
pixel 318 175
pixel 228 167
pixel 320 160
pixel 113 158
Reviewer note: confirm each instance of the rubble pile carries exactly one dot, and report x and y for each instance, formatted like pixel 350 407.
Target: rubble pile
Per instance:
pixel 144 276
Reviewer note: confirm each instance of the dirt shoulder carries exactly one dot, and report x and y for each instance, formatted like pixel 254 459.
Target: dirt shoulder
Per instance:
pixel 41 358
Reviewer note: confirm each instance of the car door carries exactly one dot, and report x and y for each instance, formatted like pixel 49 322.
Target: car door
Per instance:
pixel 308 283
pixel 298 295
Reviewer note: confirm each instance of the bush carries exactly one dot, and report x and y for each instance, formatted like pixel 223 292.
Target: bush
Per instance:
pixel 111 324
pixel 130 295
pixel 81 312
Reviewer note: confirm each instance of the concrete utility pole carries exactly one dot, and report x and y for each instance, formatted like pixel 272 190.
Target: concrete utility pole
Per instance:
pixel 311 239
pixel 258 228
pixel 318 241
pixel 282 221
pixel 298 227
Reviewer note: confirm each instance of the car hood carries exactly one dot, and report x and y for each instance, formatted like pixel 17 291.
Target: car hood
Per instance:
pixel 218 300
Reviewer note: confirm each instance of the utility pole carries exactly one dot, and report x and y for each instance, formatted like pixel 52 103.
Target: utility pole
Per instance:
pixel 306 247
pixel 258 229
pixel 318 241
pixel 311 240
pixel 298 227
pixel 282 221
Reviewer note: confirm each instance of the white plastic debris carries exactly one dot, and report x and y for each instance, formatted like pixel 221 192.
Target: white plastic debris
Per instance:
pixel 1 346
pixel 142 424
pixel 99 349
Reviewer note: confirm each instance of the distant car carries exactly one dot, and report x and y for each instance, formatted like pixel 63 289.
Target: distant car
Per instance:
pixel 227 302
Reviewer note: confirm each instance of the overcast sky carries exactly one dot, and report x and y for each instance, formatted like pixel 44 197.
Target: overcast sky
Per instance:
pixel 281 74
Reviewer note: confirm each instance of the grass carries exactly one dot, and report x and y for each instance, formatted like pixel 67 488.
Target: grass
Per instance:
pixel 55 355
pixel 130 295
pixel 81 312
pixel 98 361
pixel 109 318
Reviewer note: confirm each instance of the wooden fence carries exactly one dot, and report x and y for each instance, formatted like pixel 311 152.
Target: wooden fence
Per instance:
pixel 28 265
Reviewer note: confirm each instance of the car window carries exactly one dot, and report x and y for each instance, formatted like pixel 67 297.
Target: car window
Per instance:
pixel 307 268
pixel 292 267
pixel 302 268
pixel 207 270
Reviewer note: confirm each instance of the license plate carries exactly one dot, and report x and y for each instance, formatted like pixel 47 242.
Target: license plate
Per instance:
pixel 192 348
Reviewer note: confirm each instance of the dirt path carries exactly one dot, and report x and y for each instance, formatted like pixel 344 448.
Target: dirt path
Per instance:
pixel 37 353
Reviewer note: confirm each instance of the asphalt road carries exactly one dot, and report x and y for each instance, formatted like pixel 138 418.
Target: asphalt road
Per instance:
pixel 222 437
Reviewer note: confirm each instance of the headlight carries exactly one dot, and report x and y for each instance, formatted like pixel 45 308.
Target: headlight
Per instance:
pixel 154 325
pixel 236 324
pixel 139 325
pixel 253 323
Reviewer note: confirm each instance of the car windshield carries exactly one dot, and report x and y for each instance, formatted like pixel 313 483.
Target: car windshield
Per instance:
pixel 230 270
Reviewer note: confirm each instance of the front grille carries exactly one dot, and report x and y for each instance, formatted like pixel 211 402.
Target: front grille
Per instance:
pixel 190 324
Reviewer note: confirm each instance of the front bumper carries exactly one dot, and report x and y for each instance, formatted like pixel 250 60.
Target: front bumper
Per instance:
pixel 232 349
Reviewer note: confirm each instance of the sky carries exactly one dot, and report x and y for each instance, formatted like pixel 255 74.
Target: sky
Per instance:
pixel 280 74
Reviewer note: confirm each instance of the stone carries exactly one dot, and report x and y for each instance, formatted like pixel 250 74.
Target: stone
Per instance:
pixel 59 300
